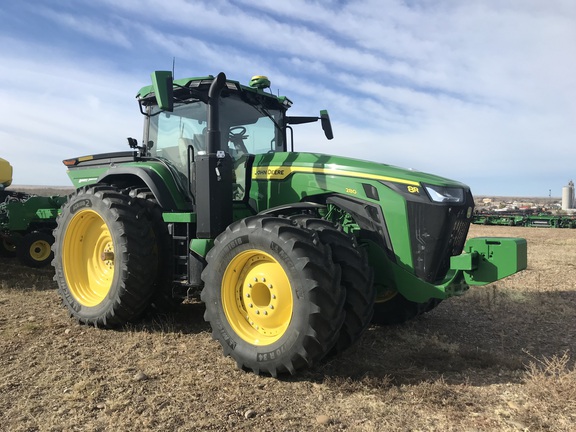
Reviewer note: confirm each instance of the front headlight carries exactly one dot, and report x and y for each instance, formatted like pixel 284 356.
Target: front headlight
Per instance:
pixel 443 194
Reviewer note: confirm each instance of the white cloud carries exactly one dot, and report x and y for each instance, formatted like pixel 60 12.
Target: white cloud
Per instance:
pixel 103 31
pixel 63 109
pixel 463 89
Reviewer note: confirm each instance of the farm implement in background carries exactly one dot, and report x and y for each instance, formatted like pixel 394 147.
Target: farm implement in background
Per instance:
pixel 26 222
pixel 525 220
pixel 294 254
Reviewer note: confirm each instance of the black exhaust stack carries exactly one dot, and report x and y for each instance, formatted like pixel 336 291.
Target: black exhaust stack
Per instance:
pixel 214 173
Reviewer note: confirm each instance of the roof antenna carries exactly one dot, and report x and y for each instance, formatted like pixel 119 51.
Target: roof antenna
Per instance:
pixel 173 65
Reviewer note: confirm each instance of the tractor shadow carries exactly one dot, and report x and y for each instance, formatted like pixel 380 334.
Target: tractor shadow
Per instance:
pixel 188 318
pixel 463 342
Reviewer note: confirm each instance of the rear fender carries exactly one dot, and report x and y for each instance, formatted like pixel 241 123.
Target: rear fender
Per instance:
pixel 143 176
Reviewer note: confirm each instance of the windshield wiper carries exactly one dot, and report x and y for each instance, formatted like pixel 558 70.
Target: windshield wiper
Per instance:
pixel 267 114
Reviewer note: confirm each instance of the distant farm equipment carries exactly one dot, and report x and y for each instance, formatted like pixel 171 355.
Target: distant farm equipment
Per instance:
pixel 26 222
pixel 524 219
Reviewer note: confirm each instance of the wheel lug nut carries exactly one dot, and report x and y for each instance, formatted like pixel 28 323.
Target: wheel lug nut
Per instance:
pixel 265 312
pixel 249 285
pixel 270 286
pixel 263 279
pixel 271 306
pixel 251 305
pixel 248 295
pixel 257 312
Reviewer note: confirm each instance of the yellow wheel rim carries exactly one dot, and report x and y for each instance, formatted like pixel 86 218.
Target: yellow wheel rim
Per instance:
pixel 39 250
pixel 88 258
pixel 257 297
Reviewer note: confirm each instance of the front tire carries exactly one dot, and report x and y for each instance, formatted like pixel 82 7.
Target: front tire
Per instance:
pixel 357 278
pixel 104 257
pixel 273 295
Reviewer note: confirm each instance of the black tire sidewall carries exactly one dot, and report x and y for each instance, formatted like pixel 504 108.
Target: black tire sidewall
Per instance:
pixel 109 216
pixel 357 277
pixel 269 357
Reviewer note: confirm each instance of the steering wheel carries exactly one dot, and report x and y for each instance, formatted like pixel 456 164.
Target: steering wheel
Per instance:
pixel 236 136
pixel 237 131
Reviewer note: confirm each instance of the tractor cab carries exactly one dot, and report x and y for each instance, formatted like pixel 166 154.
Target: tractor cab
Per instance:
pixel 249 121
pixel 209 129
pixel 180 136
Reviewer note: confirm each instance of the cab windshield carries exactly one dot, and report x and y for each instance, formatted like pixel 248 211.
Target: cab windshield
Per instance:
pixel 244 129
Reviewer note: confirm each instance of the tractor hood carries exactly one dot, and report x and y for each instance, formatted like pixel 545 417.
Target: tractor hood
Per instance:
pixel 280 166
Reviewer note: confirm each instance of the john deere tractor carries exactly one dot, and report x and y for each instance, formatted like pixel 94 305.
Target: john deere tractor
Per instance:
pixel 294 254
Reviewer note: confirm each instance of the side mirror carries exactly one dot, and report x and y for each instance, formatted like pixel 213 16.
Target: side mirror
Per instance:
pixel 163 89
pixel 326 125
pixel 324 119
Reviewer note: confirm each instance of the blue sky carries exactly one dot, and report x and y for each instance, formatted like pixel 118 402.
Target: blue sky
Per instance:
pixel 481 91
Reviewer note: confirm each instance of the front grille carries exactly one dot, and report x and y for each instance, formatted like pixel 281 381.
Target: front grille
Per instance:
pixel 438 231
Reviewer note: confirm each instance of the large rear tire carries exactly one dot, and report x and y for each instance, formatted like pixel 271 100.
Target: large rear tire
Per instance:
pixel 163 299
pixel 273 295
pixel 357 278
pixel 104 257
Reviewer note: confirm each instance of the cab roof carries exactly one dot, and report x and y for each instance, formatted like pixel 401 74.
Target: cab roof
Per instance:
pixel 202 85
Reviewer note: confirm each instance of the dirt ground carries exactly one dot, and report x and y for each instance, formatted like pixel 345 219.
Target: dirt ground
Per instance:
pixel 498 358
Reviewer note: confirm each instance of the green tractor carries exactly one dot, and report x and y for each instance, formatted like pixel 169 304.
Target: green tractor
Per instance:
pixel 294 254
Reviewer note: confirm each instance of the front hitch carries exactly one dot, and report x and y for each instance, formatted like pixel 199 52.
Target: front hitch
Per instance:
pixel 484 260
pixel 488 259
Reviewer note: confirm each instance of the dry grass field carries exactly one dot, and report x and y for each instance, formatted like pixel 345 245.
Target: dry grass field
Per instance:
pixel 500 357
